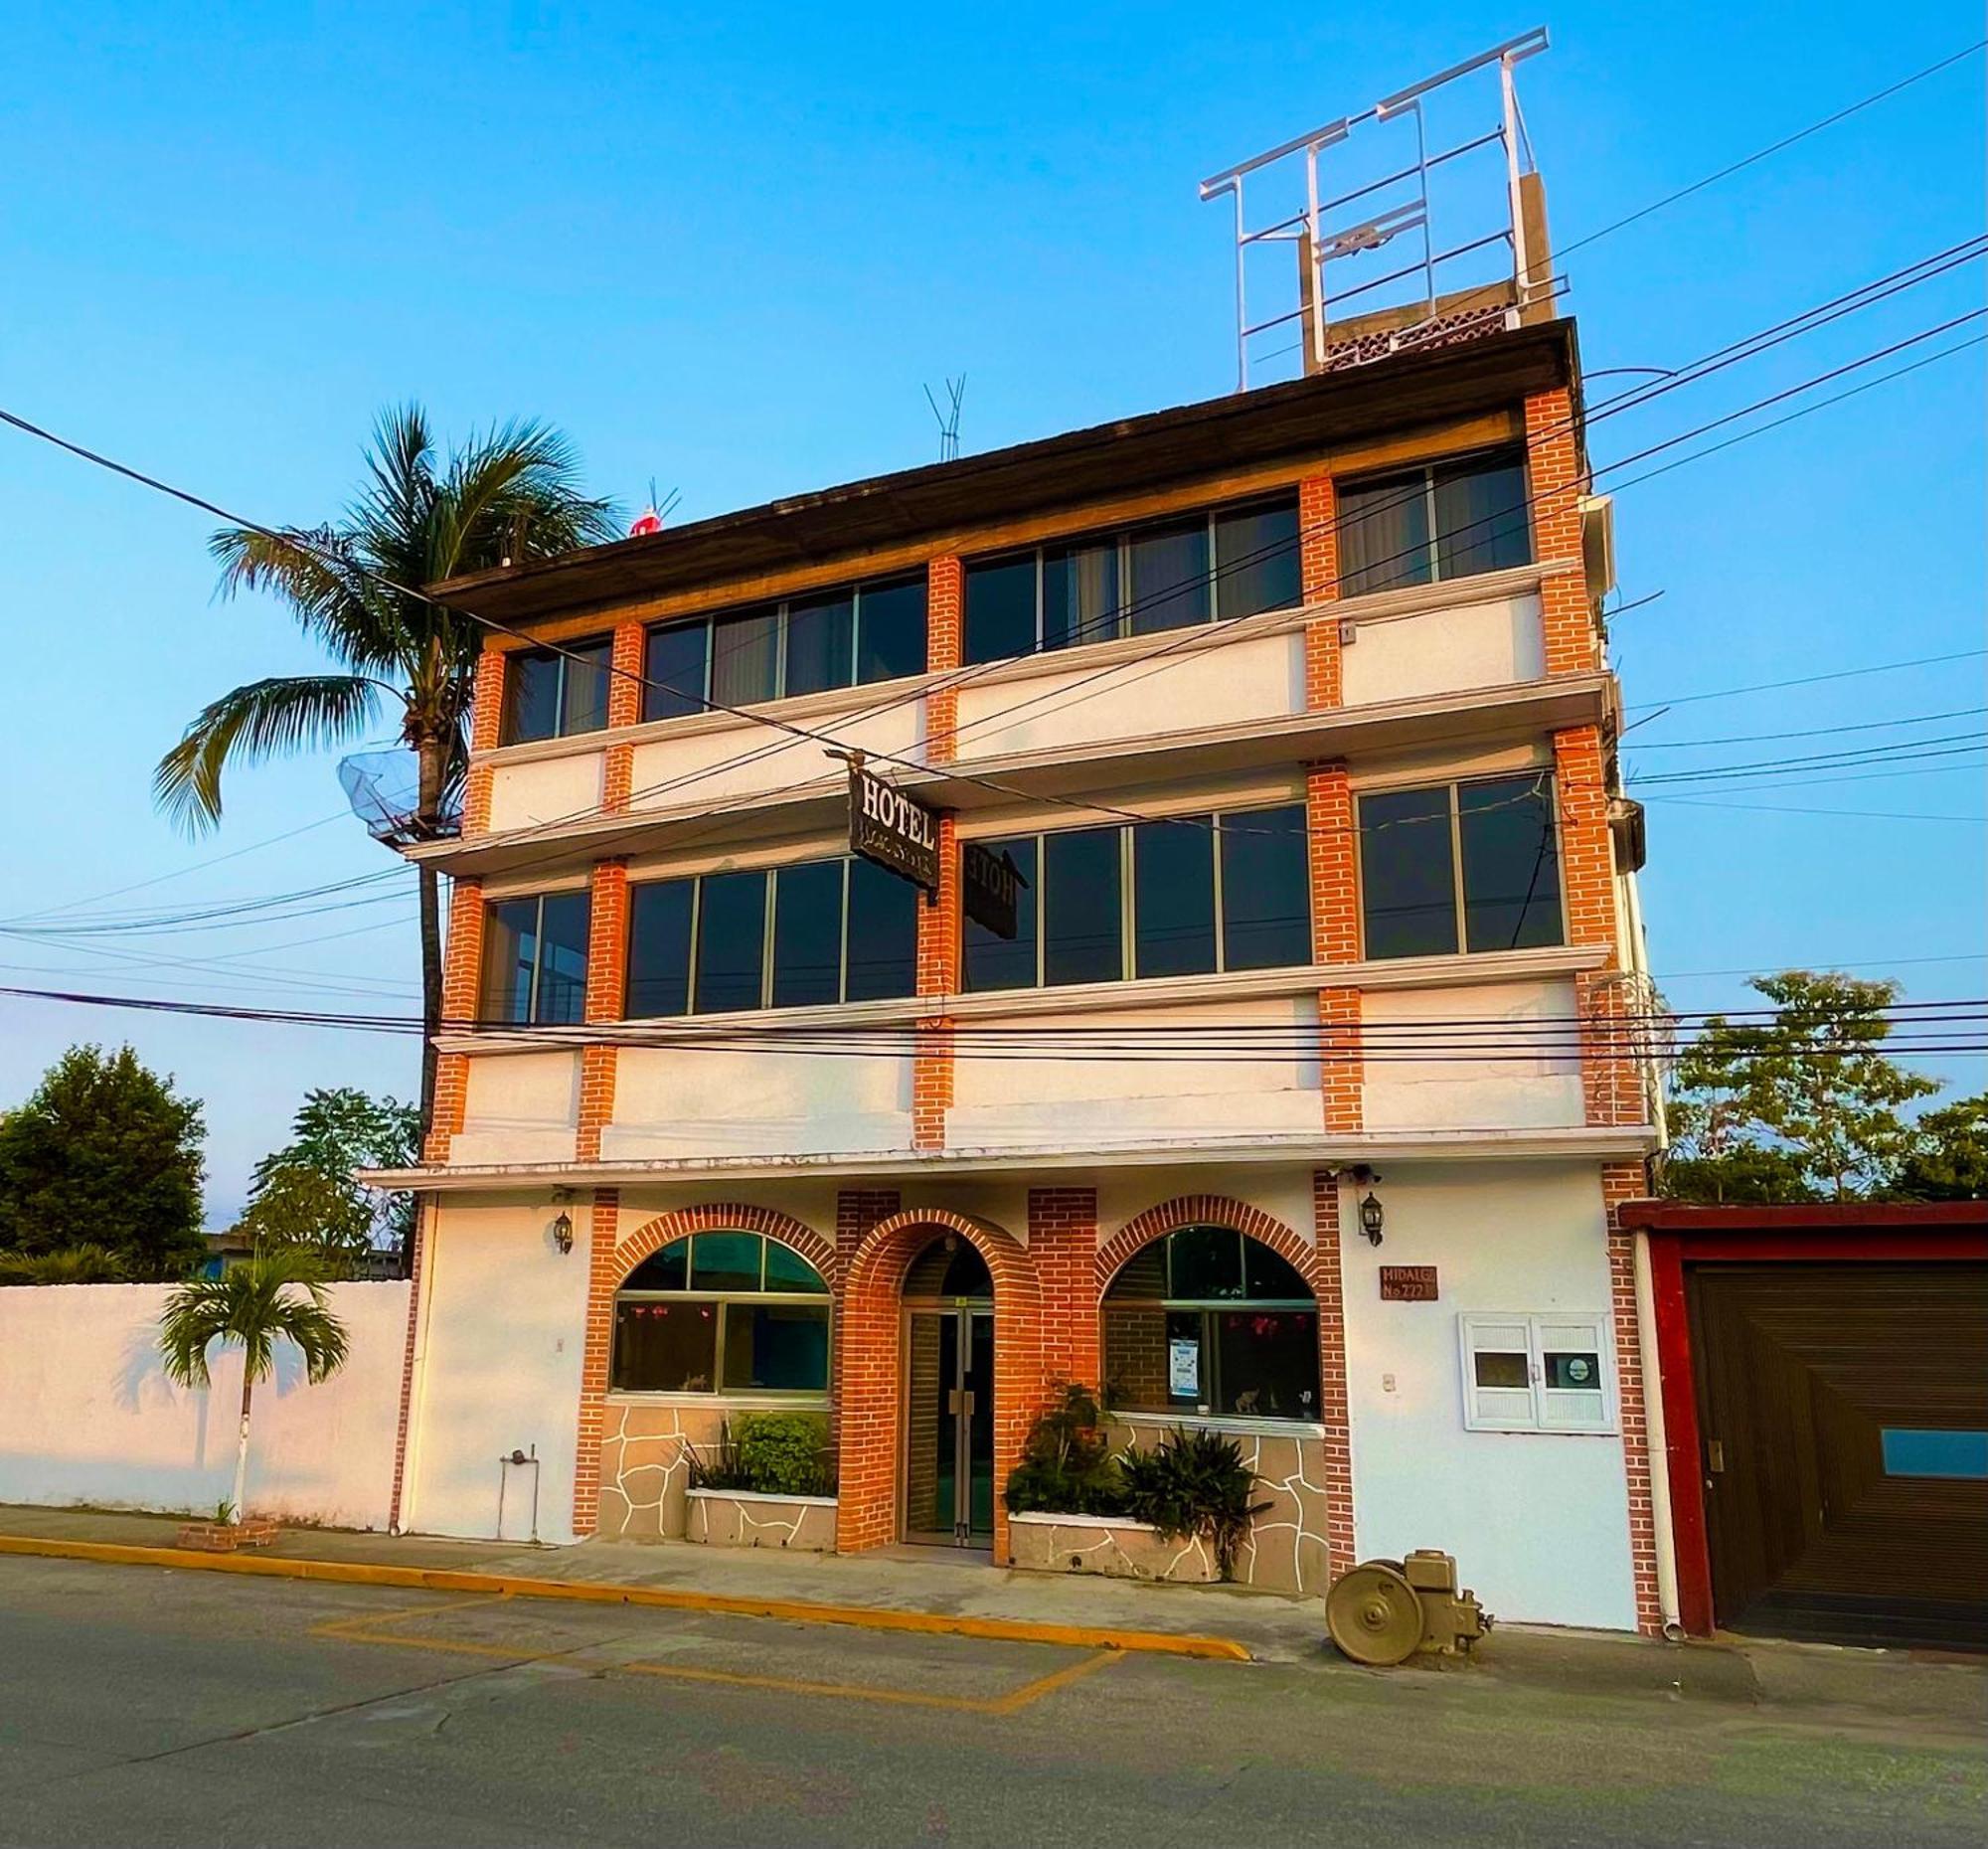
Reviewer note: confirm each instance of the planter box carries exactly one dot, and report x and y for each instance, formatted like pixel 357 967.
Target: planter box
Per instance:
pixel 226 1537
pixel 746 1518
pixel 1110 1545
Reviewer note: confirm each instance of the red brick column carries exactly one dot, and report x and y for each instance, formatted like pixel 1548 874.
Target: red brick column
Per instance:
pixel 607 988
pixel 938 974
pixel 1332 847
pixel 625 707
pixel 461 980
pixel 1572 643
pixel 857 1210
pixel 1342 1068
pixel 1621 1182
pixel 945 608
pixel 1610 1071
pixel 1063 1247
pixel 1318 580
pixel 1334 1407
pixel 486 723
pixel 602 1279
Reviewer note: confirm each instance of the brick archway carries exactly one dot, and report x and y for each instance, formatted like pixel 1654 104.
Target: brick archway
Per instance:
pixel 869 1391
pixel 1193 1210
pixel 726 1216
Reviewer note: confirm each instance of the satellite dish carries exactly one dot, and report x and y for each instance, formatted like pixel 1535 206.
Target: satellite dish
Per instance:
pixel 384 789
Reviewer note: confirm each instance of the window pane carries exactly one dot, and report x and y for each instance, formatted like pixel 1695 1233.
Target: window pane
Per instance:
pixel 1266 889
pixel 776 1347
pixel 659 948
pixel 1266 1363
pixel 724 1261
pixel 730 939
pixel 585 705
pixel 674 665
pixel 667 1270
pixel 883 933
pixel 821 643
pixel 1082 927
pixel 807 934
pixel 1079 594
pixel 1383 536
pixel 890 631
pixel 1407 882
pixel 531 697
pixel 563 925
pixel 786 1269
pixel 993 962
pixel 1169 577
pixel 1511 863
pixel 1481 522
pixel 1495 1369
pixel 665 1347
pixel 510 947
pixel 1265 1276
pixel 1256 560
pixel 1203 1262
pixel 745 658
pixel 1001 608
pixel 1173 897
pixel 1573 1371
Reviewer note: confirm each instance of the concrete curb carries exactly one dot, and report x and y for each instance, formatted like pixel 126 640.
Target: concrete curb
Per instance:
pixel 592 1592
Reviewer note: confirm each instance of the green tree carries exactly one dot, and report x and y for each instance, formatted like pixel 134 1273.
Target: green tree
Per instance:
pixel 1804 1107
pixel 105 1154
pixel 275 1296
pixel 305 1193
pixel 509 496
pixel 67 1265
pixel 1950 1163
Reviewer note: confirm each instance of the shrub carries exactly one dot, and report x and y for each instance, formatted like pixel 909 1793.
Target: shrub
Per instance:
pixel 769 1454
pixel 1193 1486
pixel 1067 1466
pixel 67 1265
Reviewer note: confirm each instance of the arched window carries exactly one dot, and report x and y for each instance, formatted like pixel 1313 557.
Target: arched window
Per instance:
pixel 732 1313
pixel 1209 1320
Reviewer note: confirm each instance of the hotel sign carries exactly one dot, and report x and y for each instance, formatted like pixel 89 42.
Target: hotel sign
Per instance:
pixel 899 833
pixel 992 885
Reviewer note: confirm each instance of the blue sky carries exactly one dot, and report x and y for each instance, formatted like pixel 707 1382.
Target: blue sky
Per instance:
pixel 729 254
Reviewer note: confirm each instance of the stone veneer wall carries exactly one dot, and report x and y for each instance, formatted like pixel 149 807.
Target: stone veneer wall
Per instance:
pixel 804 1524
pixel 645 1468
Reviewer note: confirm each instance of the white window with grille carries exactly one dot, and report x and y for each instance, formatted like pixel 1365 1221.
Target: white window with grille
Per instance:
pixel 1531 1373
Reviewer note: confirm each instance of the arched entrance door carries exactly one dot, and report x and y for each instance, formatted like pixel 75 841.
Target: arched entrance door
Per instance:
pixel 949 1349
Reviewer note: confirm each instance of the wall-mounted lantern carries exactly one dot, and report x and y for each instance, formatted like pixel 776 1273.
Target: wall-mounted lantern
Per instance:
pixel 563 1232
pixel 1372 1217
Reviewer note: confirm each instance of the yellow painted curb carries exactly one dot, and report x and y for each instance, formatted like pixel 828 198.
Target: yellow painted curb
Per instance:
pixel 592 1592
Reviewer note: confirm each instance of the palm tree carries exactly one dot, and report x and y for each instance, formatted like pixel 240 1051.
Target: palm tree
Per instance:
pixel 508 495
pixel 276 1293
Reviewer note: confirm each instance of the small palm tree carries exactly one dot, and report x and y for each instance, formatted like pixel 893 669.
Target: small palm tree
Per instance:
pixel 508 495
pixel 274 1294
pixel 67 1265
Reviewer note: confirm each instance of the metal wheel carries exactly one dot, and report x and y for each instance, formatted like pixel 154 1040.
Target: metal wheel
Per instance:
pixel 1374 1614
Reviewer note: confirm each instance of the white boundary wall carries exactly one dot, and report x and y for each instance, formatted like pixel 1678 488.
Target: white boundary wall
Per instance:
pixel 88 1416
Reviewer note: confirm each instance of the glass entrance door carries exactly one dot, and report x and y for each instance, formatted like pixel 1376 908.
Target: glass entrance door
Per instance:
pixel 950 1426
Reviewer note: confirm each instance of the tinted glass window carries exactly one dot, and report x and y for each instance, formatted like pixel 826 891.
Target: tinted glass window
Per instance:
pixel 725 1262
pixel 1481 520
pixel 561 996
pixel 1266 1363
pixel 883 933
pixel 821 643
pixel 993 962
pixel 807 934
pixel 890 630
pixel 1384 534
pixel 776 1347
pixel 1203 1262
pixel 1082 927
pixel 583 701
pixel 999 609
pixel 1169 588
pixel 667 1270
pixel 531 696
pixel 659 918
pixel 1256 560
pixel 1265 1276
pixel 673 666
pixel 1511 863
pixel 745 658
pixel 1266 889
pixel 1079 594
pixel 730 940
pixel 510 950
pixel 786 1269
pixel 664 1347
pixel 1173 897
pixel 1408 879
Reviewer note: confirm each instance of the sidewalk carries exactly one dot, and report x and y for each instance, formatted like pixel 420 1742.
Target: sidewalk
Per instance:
pixel 1810 1683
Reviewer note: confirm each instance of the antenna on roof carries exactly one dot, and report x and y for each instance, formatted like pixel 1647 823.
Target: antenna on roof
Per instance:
pixel 949 421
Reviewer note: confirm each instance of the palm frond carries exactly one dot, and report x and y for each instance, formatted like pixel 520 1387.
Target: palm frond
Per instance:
pixel 265 719
pixel 277 1296
pixel 317 573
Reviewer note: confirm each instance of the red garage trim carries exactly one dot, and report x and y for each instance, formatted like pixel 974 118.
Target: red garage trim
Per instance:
pixel 1681 1235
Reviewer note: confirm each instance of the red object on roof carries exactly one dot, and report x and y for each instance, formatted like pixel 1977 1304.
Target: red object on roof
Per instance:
pixel 646 522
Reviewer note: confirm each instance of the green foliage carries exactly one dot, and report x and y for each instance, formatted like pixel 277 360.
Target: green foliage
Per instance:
pixel 68 1264
pixel 1194 1484
pixel 1950 1159
pixel 305 1194
pixel 1067 1467
pixel 105 1154
pixel 1807 1100
pixel 769 1454
pixel 274 1297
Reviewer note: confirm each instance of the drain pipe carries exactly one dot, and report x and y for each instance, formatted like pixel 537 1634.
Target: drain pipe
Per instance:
pixel 1656 1442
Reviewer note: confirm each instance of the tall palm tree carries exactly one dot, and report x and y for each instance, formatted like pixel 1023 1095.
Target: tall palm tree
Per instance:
pixel 277 1293
pixel 505 496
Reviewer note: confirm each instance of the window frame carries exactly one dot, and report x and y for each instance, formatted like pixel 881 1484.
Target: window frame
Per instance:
pixel 1460 896
pixel 1122 541
pixel 1541 1420
pixel 562 655
pixel 1128 916
pixel 822 1299
pixel 1425 474
pixel 782 608
pixel 537 902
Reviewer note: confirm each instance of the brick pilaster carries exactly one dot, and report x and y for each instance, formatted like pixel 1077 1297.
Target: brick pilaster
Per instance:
pixel 857 1210
pixel 1612 1070
pixel 1342 1074
pixel 1334 1408
pixel 1318 573
pixel 1621 1182
pixel 945 606
pixel 1332 850
pixel 606 990
pixel 602 1278
pixel 938 974
pixel 461 981
pixel 1063 1247
pixel 1572 642
pixel 625 707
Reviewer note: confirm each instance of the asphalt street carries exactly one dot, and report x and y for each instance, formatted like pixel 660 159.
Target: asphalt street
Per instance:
pixel 145 1705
